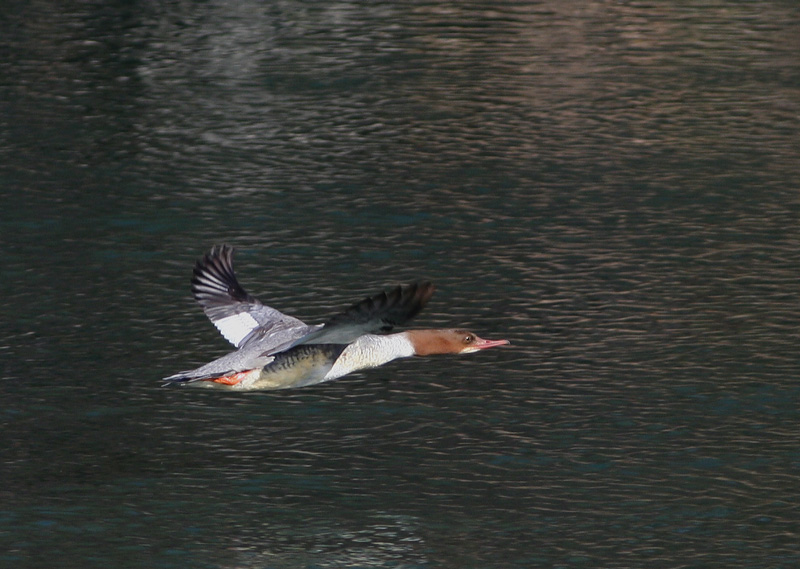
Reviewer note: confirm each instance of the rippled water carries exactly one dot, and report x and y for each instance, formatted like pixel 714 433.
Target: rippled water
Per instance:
pixel 611 186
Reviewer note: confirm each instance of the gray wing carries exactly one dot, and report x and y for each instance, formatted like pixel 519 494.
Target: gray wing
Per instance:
pixel 241 318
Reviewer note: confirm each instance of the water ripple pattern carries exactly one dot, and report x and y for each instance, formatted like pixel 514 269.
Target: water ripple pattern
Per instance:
pixel 611 186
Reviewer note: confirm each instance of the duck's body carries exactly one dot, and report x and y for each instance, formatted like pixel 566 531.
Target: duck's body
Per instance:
pixel 276 351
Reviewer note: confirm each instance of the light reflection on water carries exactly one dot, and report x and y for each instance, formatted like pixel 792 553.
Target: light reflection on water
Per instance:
pixel 606 186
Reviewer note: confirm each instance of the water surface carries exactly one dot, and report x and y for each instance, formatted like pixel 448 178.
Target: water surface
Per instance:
pixel 612 187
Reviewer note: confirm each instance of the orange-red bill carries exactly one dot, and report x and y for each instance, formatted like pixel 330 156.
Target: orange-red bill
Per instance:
pixel 482 344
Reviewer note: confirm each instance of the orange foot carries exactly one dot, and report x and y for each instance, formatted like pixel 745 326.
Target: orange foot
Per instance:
pixel 234 379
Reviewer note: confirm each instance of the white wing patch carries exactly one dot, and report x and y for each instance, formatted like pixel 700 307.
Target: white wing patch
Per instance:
pixel 236 327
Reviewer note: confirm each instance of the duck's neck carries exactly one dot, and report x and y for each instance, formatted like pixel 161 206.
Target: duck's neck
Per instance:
pixel 371 351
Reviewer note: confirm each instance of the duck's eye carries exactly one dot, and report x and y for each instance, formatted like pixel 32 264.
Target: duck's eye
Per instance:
pixel 469 338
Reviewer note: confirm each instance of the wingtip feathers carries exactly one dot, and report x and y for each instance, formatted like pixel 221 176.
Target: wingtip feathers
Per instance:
pixel 214 280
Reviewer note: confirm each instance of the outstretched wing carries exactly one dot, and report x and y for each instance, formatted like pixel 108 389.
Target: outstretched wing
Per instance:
pixel 379 313
pixel 237 315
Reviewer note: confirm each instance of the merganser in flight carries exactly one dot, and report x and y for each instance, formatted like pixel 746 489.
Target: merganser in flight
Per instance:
pixel 276 351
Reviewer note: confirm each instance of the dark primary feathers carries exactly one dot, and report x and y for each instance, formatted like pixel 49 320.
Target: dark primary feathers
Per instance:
pixel 376 314
pixel 214 283
pixel 391 309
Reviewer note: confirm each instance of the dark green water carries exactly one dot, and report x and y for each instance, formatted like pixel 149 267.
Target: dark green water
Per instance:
pixel 611 186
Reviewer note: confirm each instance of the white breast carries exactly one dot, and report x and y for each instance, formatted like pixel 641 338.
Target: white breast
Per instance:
pixel 371 351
